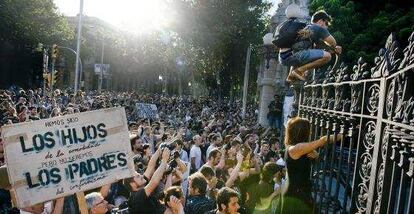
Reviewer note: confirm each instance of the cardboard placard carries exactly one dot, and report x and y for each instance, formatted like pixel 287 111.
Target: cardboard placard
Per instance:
pixel 55 157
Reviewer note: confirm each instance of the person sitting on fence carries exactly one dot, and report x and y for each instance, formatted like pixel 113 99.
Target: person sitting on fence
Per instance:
pixel 299 152
pixel 301 53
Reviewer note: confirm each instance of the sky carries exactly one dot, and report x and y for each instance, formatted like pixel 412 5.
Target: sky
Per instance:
pixel 135 15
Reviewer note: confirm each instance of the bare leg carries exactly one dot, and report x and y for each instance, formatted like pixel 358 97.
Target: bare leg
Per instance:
pixel 301 71
pixel 291 77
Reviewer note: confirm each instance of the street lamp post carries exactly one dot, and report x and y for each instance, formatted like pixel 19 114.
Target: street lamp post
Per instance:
pixel 78 46
pixel 246 81
pixel 80 61
pixel 160 78
pixel 270 48
pixel 180 65
pixel 101 68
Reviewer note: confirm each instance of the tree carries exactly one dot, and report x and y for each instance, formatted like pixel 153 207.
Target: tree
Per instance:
pixel 31 22
pixel 26 26
pixel 361 26
pixel 216 35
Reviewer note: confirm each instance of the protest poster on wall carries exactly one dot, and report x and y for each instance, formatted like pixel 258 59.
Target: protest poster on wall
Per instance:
pixel 55 157
pixel 147 110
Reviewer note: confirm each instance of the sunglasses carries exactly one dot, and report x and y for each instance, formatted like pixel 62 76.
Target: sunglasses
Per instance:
pixel 103 201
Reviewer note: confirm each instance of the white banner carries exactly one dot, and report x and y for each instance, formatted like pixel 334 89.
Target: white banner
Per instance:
pixel 147 110
pixel 105 69
pixel 59 156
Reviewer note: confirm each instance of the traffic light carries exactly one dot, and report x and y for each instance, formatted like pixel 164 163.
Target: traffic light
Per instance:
pixel 55 51
pixel 56 77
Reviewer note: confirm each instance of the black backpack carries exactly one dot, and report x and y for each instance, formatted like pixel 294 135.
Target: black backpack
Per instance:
pixel 286 34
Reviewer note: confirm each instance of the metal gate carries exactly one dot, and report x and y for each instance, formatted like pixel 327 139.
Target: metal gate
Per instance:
pixel 371 169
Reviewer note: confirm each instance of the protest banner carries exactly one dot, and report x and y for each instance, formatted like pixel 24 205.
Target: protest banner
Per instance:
pixel 147 110
pixel 55 157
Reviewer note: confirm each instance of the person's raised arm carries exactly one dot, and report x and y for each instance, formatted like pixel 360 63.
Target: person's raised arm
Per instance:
pixel 181 165
pixel 178 176
pixel 235 173
pixel 330 40
pixel 58 205
pixel 222 162
pixel 151 164
pixel 156 178
pixel 168 182
pixel 300 149
pixel 210 125
pixel 176 205
pixel 105 190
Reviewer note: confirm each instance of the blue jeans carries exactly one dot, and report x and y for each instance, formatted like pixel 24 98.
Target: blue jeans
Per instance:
pixel 299 58
pixel 275 122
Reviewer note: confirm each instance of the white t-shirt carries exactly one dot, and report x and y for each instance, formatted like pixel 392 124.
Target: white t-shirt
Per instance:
pixel 287 108
pixel 195 152
pixel 184 155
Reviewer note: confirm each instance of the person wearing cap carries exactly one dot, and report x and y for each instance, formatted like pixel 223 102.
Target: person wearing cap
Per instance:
pixel 303 55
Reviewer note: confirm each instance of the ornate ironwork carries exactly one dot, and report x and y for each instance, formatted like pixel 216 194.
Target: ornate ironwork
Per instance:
pixel 388 59
pixel 390 99
pixel 356 98
pixel 408 53
pixel 381 170
pixel 360 70
pixel 374 164
pixel 399 109
pixel 373 98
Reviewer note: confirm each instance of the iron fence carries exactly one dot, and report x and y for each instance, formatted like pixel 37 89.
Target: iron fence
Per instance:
pixel 371 169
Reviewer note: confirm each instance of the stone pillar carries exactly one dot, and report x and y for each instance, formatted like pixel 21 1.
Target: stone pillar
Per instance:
pixel 272 81
pixel 267 90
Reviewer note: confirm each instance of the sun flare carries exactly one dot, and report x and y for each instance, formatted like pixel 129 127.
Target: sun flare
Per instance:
pixel 138 16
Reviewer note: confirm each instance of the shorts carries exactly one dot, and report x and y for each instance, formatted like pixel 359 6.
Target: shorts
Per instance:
pixel 299 58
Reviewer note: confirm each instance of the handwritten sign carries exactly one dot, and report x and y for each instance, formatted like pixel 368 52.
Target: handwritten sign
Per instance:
pixel 146 110
pixel 59 156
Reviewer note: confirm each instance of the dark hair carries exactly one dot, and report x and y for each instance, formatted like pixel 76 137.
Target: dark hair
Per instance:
pixel 235 143
pixel 207 171
pixel 172 191
pixel 321 14
pixel 224 195
pixel 132 140
pixel 269 169
pixel 145 146
pixel 248 136
pixel 198 181
pixel 127 184
pixel 297 131
pixel 213 153
pixel 164 137
pixel 179 142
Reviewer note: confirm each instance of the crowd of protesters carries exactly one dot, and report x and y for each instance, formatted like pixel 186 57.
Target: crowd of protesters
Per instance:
pixel 199 155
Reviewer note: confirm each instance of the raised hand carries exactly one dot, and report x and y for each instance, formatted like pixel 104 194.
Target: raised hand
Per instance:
pixel 165 155
pixel 175 204
pixel 239 157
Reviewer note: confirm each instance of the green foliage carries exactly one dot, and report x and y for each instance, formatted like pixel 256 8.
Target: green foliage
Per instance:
pixel 30 22
pixel 217 34
pixel 362 27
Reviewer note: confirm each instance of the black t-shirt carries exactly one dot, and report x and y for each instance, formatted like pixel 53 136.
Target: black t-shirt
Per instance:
pixel 139 203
